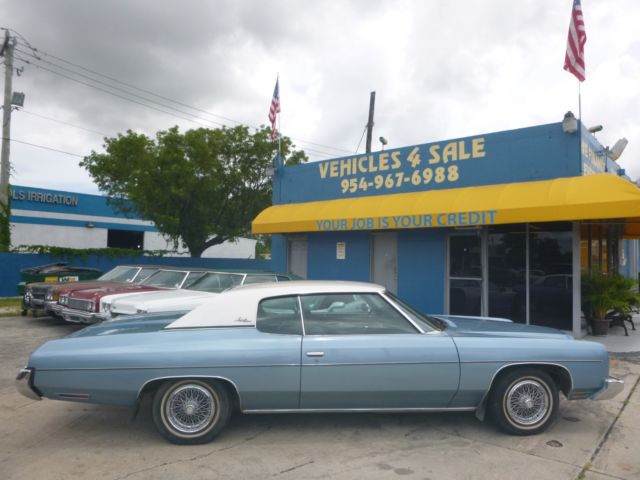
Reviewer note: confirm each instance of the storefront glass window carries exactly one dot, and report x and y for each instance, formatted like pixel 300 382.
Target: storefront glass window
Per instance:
pixel 507 272
pixel 550 275
pixel 465 275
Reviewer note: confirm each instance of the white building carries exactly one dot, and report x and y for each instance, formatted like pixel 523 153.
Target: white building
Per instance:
pixel 78 220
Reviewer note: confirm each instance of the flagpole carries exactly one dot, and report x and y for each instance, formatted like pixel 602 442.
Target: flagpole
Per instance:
pixel 579 102
pixel 279 122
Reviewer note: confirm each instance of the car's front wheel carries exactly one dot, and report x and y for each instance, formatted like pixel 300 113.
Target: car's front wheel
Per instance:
pixel 524 401
pixel 191 411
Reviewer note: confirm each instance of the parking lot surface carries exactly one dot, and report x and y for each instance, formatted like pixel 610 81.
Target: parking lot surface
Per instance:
pixel 60 440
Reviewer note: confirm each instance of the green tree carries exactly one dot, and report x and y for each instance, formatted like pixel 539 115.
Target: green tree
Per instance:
pixel 201 187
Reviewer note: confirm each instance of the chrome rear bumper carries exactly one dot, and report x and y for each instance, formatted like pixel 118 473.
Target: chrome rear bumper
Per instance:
pixel 24 385
pixel 612 387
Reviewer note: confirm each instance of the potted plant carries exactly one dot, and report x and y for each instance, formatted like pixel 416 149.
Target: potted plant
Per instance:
pixel 602 293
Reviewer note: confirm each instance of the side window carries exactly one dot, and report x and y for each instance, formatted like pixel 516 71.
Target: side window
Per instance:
pixel 259 279
pixel 351 314
pixel 279 315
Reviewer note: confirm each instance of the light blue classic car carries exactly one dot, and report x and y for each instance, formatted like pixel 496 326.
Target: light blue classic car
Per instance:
pixel 318 347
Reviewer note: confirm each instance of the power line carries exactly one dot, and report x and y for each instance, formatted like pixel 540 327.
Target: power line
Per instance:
pixel 102 134
pixel 46 148
pixel 28 62
pixel 99 82
pixel 37 57
pixel 110 93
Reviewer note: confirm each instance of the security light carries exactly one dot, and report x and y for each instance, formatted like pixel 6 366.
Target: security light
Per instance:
pixel 595 128
pixel 569 124
pixel 383 141
pixel 17 99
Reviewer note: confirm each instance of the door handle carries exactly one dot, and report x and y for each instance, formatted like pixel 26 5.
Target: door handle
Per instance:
pixel 315 354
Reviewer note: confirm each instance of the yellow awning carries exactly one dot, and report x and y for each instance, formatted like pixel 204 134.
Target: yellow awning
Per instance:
pixel 600 196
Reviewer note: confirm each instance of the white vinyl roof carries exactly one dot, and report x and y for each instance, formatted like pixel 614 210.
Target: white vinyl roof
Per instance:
pixel 239 306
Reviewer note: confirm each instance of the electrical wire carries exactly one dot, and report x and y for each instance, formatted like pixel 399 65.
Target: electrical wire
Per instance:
pixel 39 58
pixel 360 142
pixel 198 122
pixel 45 147
pixel 102 134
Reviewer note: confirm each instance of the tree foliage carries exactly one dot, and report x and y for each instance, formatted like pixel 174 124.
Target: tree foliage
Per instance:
pixel 201 187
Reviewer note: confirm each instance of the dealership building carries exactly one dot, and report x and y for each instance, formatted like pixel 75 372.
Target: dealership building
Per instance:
pixel 498 224
pixel 77 220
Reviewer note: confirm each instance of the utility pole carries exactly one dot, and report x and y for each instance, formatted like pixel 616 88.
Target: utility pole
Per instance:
pixel 372 104
pixel 7 53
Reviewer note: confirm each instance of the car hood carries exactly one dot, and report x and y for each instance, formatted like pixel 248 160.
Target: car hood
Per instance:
pixel 162 301
pixel 95 293
pixel 496 327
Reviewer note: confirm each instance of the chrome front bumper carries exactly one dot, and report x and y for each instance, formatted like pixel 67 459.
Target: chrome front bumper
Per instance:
pixel 24 384
pixel 78 316
pixel 612 387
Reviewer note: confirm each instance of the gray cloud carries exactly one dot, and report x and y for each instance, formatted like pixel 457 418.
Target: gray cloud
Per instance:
pixel 441 70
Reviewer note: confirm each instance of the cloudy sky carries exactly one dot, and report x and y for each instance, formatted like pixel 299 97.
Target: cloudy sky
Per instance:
pixel 441 69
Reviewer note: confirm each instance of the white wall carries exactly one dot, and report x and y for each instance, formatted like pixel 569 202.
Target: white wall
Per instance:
pixel 57 236
pixel 241 248
pixel 83 237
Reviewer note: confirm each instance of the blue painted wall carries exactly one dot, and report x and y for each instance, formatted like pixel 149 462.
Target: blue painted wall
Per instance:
pixel 45 200
pixel 279 253
pixel 527 154
pixel 421 268
pixel 11 263
pixel 323 265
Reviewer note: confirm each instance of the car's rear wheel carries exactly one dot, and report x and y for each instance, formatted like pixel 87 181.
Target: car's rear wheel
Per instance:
pixel 191 411
pixel 524 401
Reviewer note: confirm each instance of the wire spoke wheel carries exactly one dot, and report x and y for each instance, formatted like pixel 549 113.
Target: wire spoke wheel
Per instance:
pixel 527 402
pixel 191 411
pixel 190 408
pixel 524 401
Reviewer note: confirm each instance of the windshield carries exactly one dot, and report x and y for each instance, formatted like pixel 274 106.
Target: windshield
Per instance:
pixel 216 282
pixel 421 319
pixel 145 273
pixel 120 274
pixel 165 279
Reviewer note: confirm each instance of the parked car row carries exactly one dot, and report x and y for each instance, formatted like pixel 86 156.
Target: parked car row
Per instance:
pixel 132 289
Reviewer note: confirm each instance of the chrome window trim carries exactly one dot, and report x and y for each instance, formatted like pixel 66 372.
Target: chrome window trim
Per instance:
pixel 304 333
pixel 404 315
pixel 384 298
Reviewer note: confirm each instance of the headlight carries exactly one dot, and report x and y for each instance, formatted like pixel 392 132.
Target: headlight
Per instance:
pixel 63 300
pixel 91 306
pixel 48 296
pixel 106 307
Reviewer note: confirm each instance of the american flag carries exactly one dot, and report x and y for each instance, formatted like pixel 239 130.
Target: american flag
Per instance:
pixel 274 110
pixel 574 58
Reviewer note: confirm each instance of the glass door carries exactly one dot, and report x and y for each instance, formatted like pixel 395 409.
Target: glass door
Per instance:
pixel 465 284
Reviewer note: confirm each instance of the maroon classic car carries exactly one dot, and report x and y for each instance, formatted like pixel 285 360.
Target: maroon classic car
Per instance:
pixel 87 305
pixel 46 295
